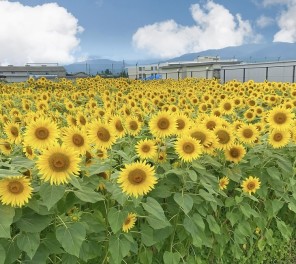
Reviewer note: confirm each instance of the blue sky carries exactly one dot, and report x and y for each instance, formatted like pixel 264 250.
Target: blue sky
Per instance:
pixel 71 30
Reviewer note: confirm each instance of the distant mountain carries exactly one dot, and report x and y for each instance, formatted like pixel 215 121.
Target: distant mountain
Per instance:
pixel 96 66
pixel 248 53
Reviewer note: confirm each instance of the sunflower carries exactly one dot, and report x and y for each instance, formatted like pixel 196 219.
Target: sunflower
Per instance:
pixel 203 135
pixel 163 124
pixel 57 164
pixel 223 183
pixel 105 176
pixel 5 147
pixel 279 138
pixel 226 106
pixel 101 134
pixel 41 133
pixel 15 191
pixel 235 153
pixel 225 137
pixel 29 152
pixel 211 121
pixel 129 222
pixel 251 184
pixel 137 178
pixel 76 139
pixel 132 125
pixel 280 118
pixel 188 148
pixel 183 123
pixel 146 149
pixel 118 124
pixel 12 131
pixel 248 133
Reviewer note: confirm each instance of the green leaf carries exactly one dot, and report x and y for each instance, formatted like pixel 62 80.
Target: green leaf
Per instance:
pixel 6 173
pixel 2 254
pixel 207 196
pixel 244 228
pixel 51 194
pixel 41 255
pixel 52 244
pixel 147 235
pixel 192 175
pixel 116 219
pixel 146 256
pixel 184 201
pixel 29 242
pixel 248 211
pixel 68 259
pixel 32 222
pixel 90 250
pixel 292 207
pixel 6 219
pixel 261 243
pixel 12 252
pixel 233 217
pixel 199 221
pixel 171 258
pixel 71 237
pixel 89 195
pixel 285 230
pixel 156 217
pixel 119 248
pixel 276 206
pixel 214 227
pixel 192 228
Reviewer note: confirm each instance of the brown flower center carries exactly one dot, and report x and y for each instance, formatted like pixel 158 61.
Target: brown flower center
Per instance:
pixel 82 120
pixel 280 118
pixel 227 106
pixel 199 136
pixel 136 176
pixel 188 147
pixel 278 137
pixel 103 175
pixel 7 146
pixel 118 126
pixel 42 133
pixel 103 134
pixel 223 136
pixel 77 140
pixel 163 123
pixel 29 150
pixel 250 186
pixel 145 148
pixel 211 125
pixel 234 152
pixel 15 187
pixel 59 162
pixel 14 131
pixel 133 125
pixel 247 133
pixel 180 124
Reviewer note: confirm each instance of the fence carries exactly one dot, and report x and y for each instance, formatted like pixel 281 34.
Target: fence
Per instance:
pixel 240 72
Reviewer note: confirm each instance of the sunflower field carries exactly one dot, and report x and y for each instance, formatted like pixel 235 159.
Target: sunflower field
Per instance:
pixel 165 171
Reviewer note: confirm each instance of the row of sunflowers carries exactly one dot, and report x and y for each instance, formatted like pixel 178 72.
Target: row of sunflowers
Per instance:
pixel 117 170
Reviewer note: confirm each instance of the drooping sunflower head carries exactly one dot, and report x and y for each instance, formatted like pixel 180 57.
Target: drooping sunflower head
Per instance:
pixel 280 118
pixel 203 135
pixel 15 191
pixel 41 133
pixel 235 153
pixel 29 152
pixel 146 149
pixel 223 183
pixel 129 222
pixel 104 176
pixel 57 164
pixel 5 147
pixel 188 148
pixel 251 184
pixel 163 124
pixel 137 178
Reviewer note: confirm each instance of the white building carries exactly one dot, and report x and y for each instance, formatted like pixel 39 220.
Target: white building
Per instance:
pixel 276 71
pixel 202 67
pixel 12 73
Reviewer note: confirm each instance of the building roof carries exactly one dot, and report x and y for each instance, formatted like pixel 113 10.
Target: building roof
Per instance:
pixel 27 68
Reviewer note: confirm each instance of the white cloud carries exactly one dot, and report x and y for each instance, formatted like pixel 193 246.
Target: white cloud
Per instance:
pixel 215 27
pixel 264 21
pixel 276 2
pixel 43 33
